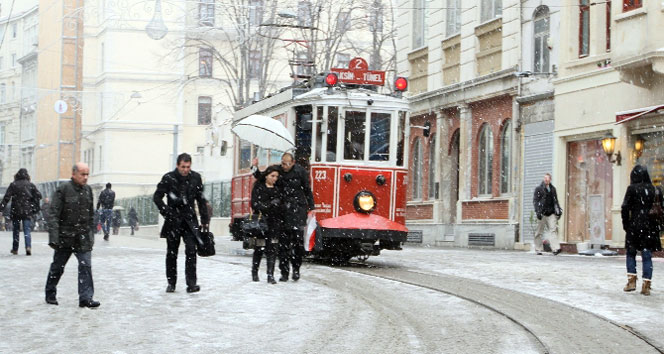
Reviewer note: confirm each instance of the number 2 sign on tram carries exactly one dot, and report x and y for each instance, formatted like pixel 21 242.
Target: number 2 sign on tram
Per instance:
pixel 358 73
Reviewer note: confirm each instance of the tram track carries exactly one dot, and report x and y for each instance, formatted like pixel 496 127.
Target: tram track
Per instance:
pixel 556 327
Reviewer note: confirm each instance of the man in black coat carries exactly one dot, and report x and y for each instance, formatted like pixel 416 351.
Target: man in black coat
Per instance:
pixel 71 230
pixel 24 197
pixel 106 201
pixel 548 212
pixel 182 187
pixel 298 202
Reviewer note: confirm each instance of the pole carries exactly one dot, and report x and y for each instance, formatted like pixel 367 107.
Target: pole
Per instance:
pixel 175 143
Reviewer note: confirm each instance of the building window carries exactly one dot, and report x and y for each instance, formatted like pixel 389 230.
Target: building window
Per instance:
pixel 304 13
pixel 205 62
pixel 541 35
pixel 3 93
pixel 206 13
pixel 491 9
pixel 629 5
pixel 14 60
pixel 101 58
pixel 204 110
pixel 420 15
pixel 608 26
pixel 2 60
pixel 417 169
pixel 506 158
pixel 2 134
pixel 584 28
pixel 376 18
pixel 485 150
pixel 432 167
pixel 14 29
pixel 255 12
pixel 343 22
pixel 254 64
pixel 453 17
pixel 12 95
pixel 343 60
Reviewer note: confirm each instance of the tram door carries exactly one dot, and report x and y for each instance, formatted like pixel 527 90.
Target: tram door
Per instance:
pixel 303 119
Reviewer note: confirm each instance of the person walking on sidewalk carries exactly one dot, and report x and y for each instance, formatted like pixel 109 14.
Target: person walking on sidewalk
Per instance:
pixel 25 200
pixel 266 203
pixel 548 212
pixel 642 229
pixel 182 187
pixel 106 201
pixel 133 220
pixel 298 202
pixel 71 230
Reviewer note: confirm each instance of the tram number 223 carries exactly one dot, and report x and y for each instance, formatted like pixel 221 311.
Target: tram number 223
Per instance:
pixel 320 175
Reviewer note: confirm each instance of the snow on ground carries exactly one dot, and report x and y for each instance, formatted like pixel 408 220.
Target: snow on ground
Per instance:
pixel 593 284
pixel 328 310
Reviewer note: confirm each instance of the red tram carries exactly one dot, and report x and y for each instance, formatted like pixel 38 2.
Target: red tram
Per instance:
pixel 353 142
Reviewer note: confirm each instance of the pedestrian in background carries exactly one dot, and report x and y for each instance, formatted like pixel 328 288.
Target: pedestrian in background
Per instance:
pixel 548 212
pixel 25 200
pixel 183 188
pixel 106 202
pixel 298 201
pixel 642 229
pixel 266 204
pixel 117 221
pixel 133 220
pixel 6 214
pixel 72 231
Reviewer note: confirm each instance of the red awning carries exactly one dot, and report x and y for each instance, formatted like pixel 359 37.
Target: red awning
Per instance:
pixel 626 116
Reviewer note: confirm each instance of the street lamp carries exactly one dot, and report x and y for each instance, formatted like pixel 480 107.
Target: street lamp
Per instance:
pixel 609 144
pixel 157 29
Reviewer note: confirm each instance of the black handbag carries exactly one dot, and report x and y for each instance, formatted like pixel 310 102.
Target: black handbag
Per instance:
pixel 255 226
pixel 205 243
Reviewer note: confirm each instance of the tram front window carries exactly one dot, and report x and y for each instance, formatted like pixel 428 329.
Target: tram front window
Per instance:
pixel 354 135
pixel 379 138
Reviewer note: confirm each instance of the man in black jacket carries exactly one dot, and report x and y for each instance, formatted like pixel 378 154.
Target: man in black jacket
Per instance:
pixel 106 201
pixel 71 230
pixel 182 187
pixel 548 212
pixel 298 202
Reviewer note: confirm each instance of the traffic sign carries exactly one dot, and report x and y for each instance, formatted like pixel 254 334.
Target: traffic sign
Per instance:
pixel 60 107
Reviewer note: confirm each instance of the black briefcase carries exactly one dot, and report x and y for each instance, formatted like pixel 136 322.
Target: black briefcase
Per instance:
pixel 205 246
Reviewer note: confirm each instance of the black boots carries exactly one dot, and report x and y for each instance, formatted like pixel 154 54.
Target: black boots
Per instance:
pixel 89 303
pixel 170 288
pixel 254 275
pixel 193 289
pixel 296 274
pixel 270 271
pixel 51 300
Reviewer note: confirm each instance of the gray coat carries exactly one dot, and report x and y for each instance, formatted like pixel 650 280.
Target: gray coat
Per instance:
pixel 71 223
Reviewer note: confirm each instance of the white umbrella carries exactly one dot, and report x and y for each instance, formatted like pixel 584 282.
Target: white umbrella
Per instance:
pixel 265 132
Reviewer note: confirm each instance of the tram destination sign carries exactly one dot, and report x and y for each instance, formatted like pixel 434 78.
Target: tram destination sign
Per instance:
pixel 358 73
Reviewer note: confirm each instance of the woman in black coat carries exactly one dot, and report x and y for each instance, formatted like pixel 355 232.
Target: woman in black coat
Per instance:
pixel 266 202
pixel 24 197
pixel 642 231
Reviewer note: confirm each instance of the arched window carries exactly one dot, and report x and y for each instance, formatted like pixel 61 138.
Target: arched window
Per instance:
pixel 417 169
pixel 541 35
pixel 432 167
pixel 485 149
pixel 506 158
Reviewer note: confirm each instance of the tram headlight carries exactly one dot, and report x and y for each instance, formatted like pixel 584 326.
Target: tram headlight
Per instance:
pixel 364 202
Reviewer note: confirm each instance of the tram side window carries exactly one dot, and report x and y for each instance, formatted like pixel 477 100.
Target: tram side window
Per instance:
pixel 354 135
pixel 332 116
pixel 245 154
pixel 262 155
pixel 402 136
pixel 319 133
pixel 379 146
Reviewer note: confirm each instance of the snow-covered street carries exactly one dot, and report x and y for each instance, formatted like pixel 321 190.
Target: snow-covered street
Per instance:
pixel 330 310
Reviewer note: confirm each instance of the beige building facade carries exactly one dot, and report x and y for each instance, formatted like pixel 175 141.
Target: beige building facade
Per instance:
pixel 611 83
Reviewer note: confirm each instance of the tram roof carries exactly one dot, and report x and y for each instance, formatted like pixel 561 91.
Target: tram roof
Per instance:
pixel 339 96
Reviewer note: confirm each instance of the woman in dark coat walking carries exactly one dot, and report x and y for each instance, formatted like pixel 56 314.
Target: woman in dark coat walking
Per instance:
pixel 642 231
pixel 266 202
pixel 24 197
pixel 133 219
